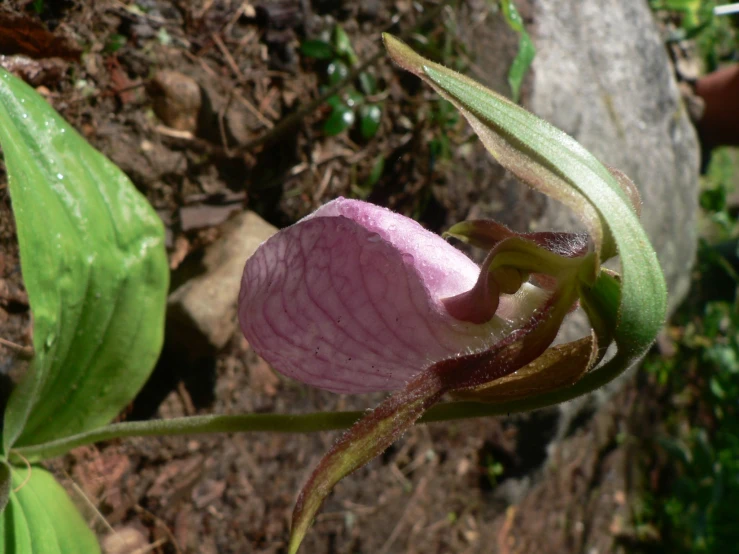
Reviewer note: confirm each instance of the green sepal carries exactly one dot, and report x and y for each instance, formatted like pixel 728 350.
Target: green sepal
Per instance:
pixel 486 234
pixel 528 257
pixel 555 164
pixel 526 50
pixel 600 302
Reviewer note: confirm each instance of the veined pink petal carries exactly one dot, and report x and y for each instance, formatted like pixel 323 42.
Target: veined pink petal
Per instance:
pixel 349 299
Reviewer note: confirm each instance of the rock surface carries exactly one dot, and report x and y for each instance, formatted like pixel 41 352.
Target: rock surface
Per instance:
pixel 176 99
pixel 602 74
pixel 608 82
pixel 202 312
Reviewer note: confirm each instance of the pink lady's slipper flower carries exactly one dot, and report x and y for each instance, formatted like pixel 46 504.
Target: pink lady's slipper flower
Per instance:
pixel 353 299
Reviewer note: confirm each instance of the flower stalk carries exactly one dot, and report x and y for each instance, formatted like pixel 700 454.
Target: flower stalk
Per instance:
pixel 518 299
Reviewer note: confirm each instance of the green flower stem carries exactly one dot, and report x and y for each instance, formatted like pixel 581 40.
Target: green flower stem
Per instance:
pixel 312 422
pixel 274 423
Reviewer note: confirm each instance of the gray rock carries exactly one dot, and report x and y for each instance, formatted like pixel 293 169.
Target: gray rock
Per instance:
pixel 602 74
pixel 176 99
pixel 201 315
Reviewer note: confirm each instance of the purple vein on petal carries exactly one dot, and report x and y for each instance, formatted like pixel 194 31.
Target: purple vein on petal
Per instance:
pixel 360 348
pixel 282 304
pixel 308 314
pixel 331 347
pixel 384 320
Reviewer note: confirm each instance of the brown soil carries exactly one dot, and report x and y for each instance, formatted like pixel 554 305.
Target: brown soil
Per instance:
pixel 436 490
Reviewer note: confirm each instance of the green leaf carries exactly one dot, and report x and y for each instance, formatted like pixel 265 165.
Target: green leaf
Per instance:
pixel 713 200
pixel 354 98
pixel 317 49
pixel 367 83
pixel 15 538
pixel 555 164
pixel 369 120
pixel 343 45
pixel 115 42
pixel 334 100
pixel 341 118
pixel 336 71
pixel 377 170
pixel 41 518
pixel 717 389
pixel 95 268
pixel 365 189
pixel 526 50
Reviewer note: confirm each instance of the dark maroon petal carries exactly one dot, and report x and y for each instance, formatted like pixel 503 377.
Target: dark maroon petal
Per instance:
pixel 371 435
pixel 486 234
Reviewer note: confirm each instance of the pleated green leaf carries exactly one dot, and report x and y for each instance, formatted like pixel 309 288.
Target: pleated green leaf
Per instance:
pixel 95 268
pixel 41 518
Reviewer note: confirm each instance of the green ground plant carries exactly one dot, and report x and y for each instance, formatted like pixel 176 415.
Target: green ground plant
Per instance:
pixel 695 509
pixel 95 268
pixel 715 36
pixel 352 107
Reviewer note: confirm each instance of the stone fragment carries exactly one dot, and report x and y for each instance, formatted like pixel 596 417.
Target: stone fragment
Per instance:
pixel 601 74
pixel 200 216
pixel 202 312
pixel 124 541
pixel 608 82
pixel 176 99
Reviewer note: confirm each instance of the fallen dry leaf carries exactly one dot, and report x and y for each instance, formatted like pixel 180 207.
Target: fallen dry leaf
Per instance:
pixel 21 34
